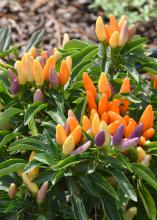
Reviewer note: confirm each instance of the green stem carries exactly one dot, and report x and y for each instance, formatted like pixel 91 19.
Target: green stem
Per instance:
pixel 33 127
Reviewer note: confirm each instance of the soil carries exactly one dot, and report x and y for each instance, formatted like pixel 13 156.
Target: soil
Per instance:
pixel 57 17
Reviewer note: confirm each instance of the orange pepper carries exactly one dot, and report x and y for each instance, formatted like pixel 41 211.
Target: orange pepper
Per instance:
pixel 113 24
pixel 147 118
pixel 77 134
pixel 64 73
pixel 86 123
pixel 103 104
pixel 95 124
pixel 142 141
pixel 149 133
pixel 115 117
pixel 60 134
pixel 114 106
pixel 105 117
pixel 50 63
pixel 72 122
pixel 129 129
pixel 89 85
pixel 91 101
pixel 112 127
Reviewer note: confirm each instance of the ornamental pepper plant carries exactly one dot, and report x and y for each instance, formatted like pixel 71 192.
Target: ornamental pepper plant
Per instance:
pixel 78 127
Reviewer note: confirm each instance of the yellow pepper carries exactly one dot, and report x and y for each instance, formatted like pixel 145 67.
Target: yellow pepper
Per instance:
pixel 38 73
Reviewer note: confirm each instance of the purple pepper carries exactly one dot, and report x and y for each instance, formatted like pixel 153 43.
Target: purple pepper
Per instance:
pixel 118 136
pixel 11 75
pixel 53 77
pixel 15 87
pixel 38 96
pixel 126 144
pixel 67 128
pixel 146 160
pixel 137 132
pixel 42 192
pixel 49 52
pixel 42 61
pixel 99 138
pixel 82 148
pixel 112 89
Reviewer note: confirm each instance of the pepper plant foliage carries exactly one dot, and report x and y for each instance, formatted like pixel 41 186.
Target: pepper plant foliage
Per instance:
pixel 77 128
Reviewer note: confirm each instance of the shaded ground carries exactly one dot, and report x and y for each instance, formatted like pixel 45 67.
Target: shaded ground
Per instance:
pixel 57 17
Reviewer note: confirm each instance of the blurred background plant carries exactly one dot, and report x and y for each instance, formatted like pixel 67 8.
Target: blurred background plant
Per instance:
pixel 135 10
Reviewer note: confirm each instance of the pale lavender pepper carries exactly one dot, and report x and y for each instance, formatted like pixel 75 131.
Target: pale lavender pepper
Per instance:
pixel 38 96
pixel 99 138
pixel 82 148
pixel 42 192
pixel 118 136
pixel 15 87
pixel 129 143
pixel 41 60
pixel 137 132
pixel 53 77
pixel 11 75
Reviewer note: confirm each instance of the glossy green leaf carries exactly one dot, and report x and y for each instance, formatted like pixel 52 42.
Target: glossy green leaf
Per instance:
pixel 148 202
pixel 78 207
pixel 5 38
pixel 32 110
pixel 12 165
pixel 135 43
pixel 145 173
pixel 127 96
pixel 124 184
pixel 35 39
pixel 8 138
pixel 73 44
pixel 8 114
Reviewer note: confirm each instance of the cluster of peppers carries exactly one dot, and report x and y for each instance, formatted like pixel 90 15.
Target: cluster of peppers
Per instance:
pixel 27 179
pixel 105 123
pixel 116 34
pixel 37 68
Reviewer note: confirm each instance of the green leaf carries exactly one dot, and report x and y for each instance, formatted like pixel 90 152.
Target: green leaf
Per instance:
pixel 43 158
pixel 68 161
pixel 78 208
pixel 84 54
pixel 145 173
pixel 127 96
pixel 8 138
pixel 35 39
pixel 134 44
pixel 148 202
pixel 32 110
pixel 102 182
pixel 78 71
pixel 31 165
pixel 76 44
pixel 13 50
pixel 124 184
pixel 132 70
pixel 150 67
pixel 57 116
pixel 21 147
pixel 12 165
pixel 7 66
pixel 5 38
pixel 8 114
pixel 88 186
pixel 109 205
pixel 28 140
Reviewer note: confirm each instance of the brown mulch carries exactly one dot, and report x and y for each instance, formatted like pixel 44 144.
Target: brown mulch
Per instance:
pixel 57 17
